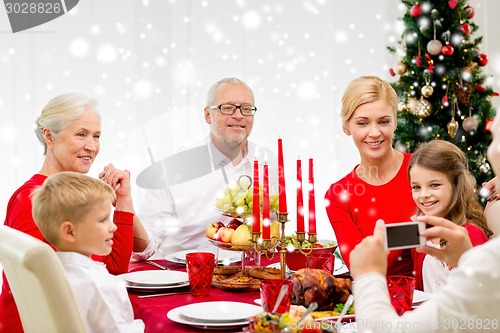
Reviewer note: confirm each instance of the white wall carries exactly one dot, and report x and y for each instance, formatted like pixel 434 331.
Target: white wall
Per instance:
pixel 150 63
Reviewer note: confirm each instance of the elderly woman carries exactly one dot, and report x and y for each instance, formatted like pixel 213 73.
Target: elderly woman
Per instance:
pixel 378 187
pixel 69 129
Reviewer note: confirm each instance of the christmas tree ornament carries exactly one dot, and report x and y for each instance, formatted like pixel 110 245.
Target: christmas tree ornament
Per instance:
pixel 485 167
pixel 427 90
pixel 487 126
pixel 480 88
pixel 452 3
pixel 434 47
pixel 470 123
pixel 472 67
pixel 465 28
pixel 400 68
pixel 447 50
pixel 411 105
pixel 463 92
pixel 416 10
pixel 469 11
pixel 418 61
pixel 452 127
pixel 483 59
pixel 402 106
pixel 444 100
pixel 423 108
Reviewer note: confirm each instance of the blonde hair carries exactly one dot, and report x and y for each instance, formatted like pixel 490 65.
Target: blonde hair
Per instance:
pixel 61 110
pixel 212 92
pixel 367 89
pixel 445 157
pixel 66 196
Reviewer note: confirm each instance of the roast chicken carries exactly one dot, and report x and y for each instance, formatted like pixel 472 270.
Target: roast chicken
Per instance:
pixel 316 285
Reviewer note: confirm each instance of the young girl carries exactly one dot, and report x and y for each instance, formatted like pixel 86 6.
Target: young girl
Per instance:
pixel 443 186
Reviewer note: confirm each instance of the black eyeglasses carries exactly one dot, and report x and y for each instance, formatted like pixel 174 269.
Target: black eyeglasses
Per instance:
pixel 246 110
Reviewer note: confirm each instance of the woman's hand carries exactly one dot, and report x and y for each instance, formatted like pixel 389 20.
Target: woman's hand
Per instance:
pixel 370 255
pixel 119 180
pixel 457 239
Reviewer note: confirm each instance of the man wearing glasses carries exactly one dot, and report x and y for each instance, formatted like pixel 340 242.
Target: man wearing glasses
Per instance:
pixel 183 188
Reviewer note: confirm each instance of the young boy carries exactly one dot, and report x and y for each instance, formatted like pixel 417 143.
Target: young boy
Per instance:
pixel 73 213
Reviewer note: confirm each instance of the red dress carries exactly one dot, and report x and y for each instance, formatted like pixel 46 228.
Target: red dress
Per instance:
pixel 19 217
pixel 353 206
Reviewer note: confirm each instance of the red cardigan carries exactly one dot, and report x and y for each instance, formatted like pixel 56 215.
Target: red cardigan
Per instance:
pixel 19 217
pixel 353 207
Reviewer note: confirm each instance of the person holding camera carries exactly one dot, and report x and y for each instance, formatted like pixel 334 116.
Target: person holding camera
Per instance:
pixel 442 185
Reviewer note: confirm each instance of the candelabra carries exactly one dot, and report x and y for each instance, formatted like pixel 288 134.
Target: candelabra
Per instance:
pixel 268 247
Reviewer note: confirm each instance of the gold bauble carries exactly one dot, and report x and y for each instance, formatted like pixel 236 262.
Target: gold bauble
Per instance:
pixel 422 108
pixel 427 91
pixel 452 127
pixel 400 68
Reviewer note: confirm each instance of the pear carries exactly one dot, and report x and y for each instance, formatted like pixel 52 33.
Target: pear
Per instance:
pixel 275 229
pixel 242 238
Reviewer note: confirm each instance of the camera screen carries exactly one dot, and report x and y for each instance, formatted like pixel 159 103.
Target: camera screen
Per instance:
pixel 402 235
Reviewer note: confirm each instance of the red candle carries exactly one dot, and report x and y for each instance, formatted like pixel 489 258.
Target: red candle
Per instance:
pixel 266 229
pixel 312 205
pixel 281 179
pixel 300 198
pixel 256 201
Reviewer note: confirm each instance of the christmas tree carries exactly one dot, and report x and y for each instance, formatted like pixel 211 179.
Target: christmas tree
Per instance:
pixel 442 89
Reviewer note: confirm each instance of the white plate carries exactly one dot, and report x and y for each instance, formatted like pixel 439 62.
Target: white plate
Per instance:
pixel 219 312
pixel 420 297
pixel 155 278
pixel 176 316
pixel 154 288
pixel 225 257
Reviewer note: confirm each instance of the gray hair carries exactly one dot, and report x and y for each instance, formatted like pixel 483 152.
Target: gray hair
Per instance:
pixel 229 80
pixel 59 111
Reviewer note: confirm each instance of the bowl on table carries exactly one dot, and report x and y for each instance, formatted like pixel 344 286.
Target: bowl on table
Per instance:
pixel 296 259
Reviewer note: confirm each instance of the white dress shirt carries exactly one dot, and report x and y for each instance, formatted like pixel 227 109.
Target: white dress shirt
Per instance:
pixel 469 302
pixel 102 297
pixel 176 216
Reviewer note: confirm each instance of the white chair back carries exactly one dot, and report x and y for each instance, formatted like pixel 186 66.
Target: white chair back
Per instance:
pixel 39 285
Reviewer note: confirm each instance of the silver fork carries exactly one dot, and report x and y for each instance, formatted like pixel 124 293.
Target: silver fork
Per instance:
pixel 152 263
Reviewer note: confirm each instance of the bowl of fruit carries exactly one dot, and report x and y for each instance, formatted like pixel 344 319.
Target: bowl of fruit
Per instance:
pixel 235 235
pixel 296 259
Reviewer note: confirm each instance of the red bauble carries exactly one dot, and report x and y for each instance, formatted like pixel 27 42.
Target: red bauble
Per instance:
pixel 487 126
pixel 483 59
pixel 470 11
pixel 465 28
pixel 452 3
pixel 444 100
pixel 418 61
pixel 447 50
pixel 416 10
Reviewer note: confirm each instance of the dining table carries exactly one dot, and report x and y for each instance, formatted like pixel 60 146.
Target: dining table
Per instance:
pixel 153 310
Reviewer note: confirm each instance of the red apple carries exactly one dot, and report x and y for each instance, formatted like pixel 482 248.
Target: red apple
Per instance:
pixel 234 224
pixel 212 229
pixel 225 234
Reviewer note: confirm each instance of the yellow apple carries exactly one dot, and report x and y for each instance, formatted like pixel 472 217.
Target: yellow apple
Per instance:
pixel 242 237
pixel 225 234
